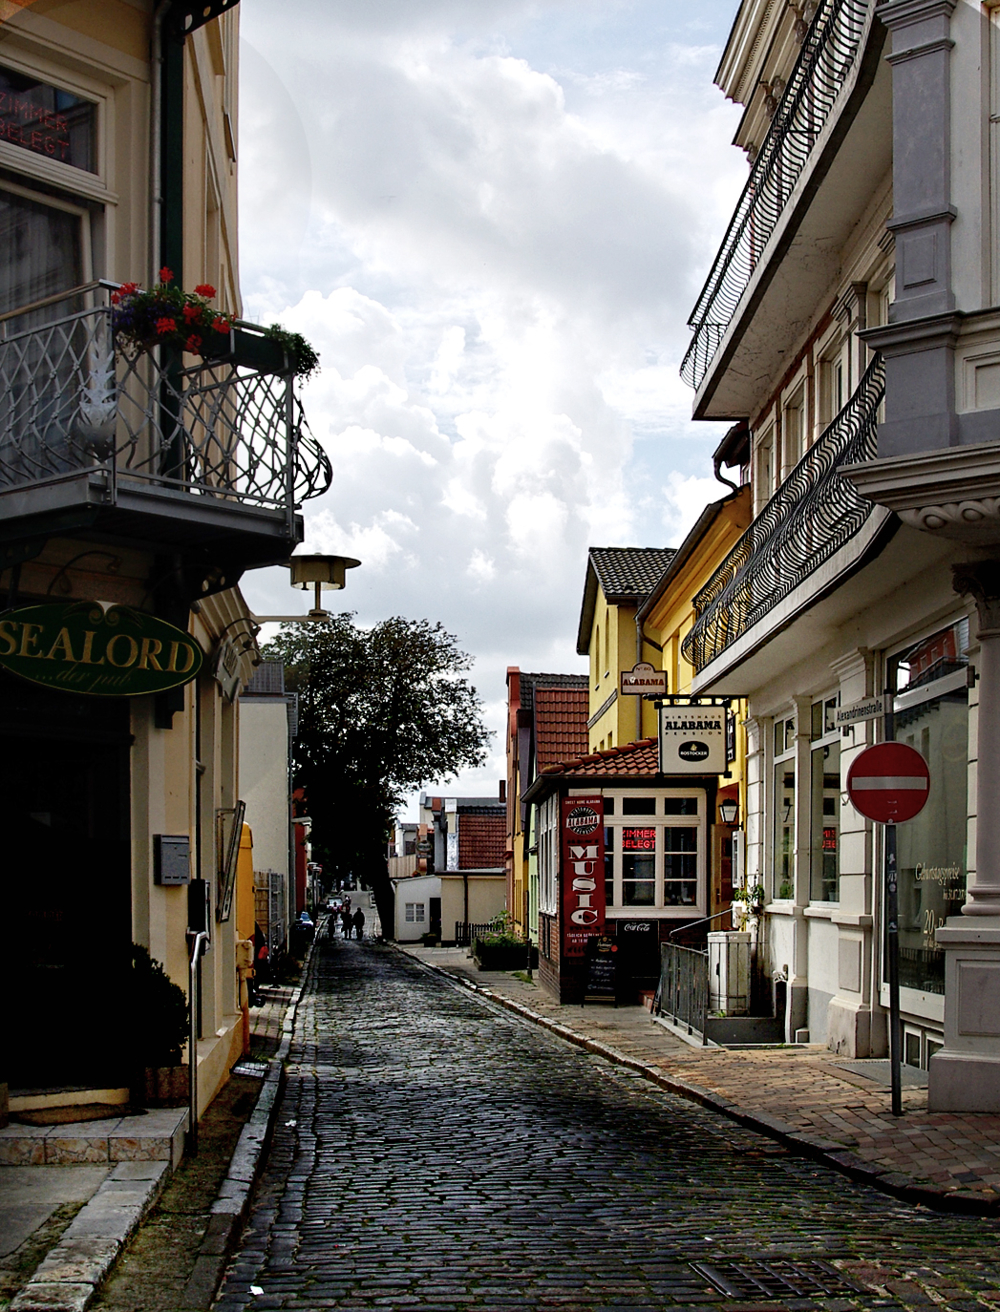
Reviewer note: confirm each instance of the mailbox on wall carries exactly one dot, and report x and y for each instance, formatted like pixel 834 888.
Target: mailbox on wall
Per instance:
pixel 171 859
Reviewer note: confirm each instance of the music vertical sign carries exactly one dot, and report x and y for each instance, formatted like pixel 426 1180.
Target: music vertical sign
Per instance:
pixel 582 872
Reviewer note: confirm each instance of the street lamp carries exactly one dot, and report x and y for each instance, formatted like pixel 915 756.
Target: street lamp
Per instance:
pixel 320 573
pixel 729 810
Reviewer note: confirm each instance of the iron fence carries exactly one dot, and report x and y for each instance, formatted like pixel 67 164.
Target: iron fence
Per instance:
pixel 828 54
pixel 73 399
pixel 812 515
pixel 682 994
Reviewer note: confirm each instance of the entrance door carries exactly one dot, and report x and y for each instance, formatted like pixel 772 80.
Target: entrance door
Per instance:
pixel 434 921
pixel 64 821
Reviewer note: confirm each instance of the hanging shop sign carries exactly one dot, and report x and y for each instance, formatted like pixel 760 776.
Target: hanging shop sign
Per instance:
pixel 643 680
pixel 582 872
pixel 105 651
pixel 693 740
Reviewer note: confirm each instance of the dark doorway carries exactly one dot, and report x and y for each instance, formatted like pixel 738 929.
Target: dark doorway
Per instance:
pixel 434 917
pixel 64 818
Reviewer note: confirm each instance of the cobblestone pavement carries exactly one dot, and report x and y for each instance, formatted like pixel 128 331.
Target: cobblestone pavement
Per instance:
pixel 435 1151
pixel 803 1089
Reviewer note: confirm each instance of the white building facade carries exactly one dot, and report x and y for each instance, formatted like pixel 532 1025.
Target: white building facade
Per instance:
pixel 850 325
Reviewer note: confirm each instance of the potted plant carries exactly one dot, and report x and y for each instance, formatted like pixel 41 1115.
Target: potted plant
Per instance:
pixel 161 1028
pixel 167 315
pixel 501 948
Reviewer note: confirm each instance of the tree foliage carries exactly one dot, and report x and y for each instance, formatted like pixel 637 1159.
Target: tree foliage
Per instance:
pixel 382 711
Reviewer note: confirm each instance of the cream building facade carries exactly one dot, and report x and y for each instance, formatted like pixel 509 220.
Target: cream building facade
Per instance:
pixel 142 480
pixel 850 322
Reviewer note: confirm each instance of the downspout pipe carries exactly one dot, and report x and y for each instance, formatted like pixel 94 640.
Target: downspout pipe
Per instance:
pixel 156 139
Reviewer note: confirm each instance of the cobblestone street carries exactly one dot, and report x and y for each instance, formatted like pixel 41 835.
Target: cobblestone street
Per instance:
pixel 435 1151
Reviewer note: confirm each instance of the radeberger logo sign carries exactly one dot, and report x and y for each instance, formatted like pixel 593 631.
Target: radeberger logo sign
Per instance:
pixel 81 646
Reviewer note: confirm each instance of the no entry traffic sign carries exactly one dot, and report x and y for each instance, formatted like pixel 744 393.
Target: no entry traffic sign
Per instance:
pixel 889 783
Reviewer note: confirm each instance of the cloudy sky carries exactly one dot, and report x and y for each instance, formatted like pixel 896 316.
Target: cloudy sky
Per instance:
pixel 491 217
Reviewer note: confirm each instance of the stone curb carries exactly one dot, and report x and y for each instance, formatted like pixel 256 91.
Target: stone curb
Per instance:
pixel 833 1154
pixel 232 1203
pixel 70 1275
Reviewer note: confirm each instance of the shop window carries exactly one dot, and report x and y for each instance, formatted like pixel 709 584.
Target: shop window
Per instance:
pixel 655 850
pixel 680 866
pixel 680 806
pixel 638 866
pixel 824 802
pixel 415 913
pixel 784 810
pixel 609 862
pixel 931 714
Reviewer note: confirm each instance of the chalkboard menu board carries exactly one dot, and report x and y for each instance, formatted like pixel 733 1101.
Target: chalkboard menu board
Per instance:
pixel 602 962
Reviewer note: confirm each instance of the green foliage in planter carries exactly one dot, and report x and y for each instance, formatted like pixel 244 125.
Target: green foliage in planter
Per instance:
pixel 160 1010
pixel 501 933
pixel 305 361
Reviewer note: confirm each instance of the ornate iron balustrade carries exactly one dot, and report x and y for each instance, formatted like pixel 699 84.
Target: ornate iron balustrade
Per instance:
pixel 71 403
pixel 812 515
pixel 827 56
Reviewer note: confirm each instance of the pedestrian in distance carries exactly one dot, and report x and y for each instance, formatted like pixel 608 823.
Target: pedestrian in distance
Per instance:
pixel 347 922
pixel 359 923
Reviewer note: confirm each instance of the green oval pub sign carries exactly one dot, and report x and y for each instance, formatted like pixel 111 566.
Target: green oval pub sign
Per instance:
pixel 85 647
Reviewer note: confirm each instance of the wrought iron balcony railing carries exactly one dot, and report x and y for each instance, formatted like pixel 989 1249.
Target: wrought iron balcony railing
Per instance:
pixel 71 404
pixel 812 515
pixel 828 54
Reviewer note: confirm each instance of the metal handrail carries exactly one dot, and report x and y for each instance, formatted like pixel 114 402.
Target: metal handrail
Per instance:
pixel 812 515
pixel 824 63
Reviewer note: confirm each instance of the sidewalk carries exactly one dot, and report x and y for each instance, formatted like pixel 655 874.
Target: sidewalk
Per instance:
pixel 801 1096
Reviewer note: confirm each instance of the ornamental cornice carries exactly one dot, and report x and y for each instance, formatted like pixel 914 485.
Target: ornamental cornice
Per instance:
pixel 952 493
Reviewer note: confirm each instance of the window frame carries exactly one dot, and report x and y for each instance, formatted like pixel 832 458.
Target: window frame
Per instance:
pixel 659 909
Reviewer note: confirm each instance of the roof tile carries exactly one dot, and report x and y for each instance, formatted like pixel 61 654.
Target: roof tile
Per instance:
pixel 631 572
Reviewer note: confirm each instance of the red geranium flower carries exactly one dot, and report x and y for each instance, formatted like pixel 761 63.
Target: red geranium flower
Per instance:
pixel 166 275
pixel 115 297
pixel 205 289
pixel 193 343
pixel 192 313
pixel 166 326
pixel 128 288
pixel 221 325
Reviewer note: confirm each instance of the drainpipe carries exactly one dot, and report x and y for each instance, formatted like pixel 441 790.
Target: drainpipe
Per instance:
pixel 156 138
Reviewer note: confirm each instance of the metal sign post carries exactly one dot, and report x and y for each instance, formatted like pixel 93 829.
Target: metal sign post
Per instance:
pixel 889 783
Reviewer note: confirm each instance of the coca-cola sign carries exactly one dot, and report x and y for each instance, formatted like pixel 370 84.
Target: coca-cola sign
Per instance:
pixel 582 872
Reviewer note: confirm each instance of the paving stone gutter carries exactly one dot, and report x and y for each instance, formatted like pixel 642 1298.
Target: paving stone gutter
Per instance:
pixel 829 1151
pixel 68 1278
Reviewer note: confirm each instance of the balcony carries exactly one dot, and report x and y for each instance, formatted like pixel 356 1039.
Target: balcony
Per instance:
pixel 814 516
pixel 147 444
pixel 802 142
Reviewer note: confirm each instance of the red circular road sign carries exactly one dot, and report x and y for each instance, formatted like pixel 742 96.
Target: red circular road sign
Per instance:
pixel 889 783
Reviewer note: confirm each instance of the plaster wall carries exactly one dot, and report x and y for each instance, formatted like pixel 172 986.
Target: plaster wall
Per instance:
pixel 264 781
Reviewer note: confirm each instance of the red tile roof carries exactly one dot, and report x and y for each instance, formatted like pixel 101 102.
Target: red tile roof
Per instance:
pixel 638 760
pixel 482 840
pixel 560 724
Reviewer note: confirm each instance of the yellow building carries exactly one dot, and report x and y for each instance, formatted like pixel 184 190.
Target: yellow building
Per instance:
pixel 140 476
pixel 637 606
pixel 619 579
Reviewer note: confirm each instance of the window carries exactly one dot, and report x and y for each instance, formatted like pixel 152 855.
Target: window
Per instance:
pixel 655 850
pixel 47 121
pixel 792 428
pixel 415 913
pixel 764 480
pixel 931 707
pixel 41 250
pixel 783 886
pixel 548 854
pixel 824 802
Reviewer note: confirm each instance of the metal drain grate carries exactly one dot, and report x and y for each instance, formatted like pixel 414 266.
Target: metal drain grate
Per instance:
pixel 774 1280
pixel 247 1066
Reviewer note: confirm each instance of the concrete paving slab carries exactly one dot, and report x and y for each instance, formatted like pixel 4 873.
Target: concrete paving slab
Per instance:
pixel 30 1194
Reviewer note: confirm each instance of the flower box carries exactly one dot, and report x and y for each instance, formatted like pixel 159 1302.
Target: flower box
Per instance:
pixel 502 956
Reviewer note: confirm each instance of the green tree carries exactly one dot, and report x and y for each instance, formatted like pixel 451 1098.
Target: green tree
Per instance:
pixel 382 711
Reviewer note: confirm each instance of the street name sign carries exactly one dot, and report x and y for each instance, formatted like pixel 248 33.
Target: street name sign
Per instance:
pixel 889 783
pixel 868 708
pixel 643 680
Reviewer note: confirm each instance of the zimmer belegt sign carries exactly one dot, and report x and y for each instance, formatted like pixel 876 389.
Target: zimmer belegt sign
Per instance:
pixel 106 651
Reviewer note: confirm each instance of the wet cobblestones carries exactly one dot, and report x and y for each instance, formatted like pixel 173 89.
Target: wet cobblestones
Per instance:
pixel 438 1153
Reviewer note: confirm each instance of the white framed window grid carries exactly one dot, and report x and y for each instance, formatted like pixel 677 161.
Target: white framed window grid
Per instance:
pixel 415 913
pixel 655 851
